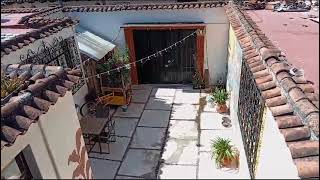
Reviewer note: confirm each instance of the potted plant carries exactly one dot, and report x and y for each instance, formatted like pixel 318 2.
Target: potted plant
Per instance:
pixel 220 96
pixel 197 81
pixel 225 154
pixel 115 79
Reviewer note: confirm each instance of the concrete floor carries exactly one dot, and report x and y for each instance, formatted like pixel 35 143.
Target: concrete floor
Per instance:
pixel 159 137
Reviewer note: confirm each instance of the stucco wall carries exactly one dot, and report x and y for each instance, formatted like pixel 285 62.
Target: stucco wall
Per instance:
pixel 107 25
pixel 233 85
pixel 52 145
pixel 79 96
pixel 274 158
pixel 234 72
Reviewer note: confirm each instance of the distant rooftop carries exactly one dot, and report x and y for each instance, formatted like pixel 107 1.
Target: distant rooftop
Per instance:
pixel 20 27
pixel 296 35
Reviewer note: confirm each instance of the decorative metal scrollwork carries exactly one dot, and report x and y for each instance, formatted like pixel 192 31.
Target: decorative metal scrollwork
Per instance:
pixel 250 114
pixel 60 52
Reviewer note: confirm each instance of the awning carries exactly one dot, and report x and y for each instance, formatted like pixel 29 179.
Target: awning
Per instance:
pixel 92 45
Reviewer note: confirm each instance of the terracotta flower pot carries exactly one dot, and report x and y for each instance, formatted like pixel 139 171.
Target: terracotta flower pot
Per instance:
pixel 232 163
pixel 222 108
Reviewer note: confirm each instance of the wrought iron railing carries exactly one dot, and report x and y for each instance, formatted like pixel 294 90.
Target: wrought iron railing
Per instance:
pixel 61 52
pixel 250 114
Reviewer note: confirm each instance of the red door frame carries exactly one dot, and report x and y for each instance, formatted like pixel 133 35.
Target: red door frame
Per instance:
pixel 128 32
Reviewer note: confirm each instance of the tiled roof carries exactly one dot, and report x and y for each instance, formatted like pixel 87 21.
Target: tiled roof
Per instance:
pixel 41 26
pixel 151 6
pixel 24 10
pixel 291 99
pixel 42 88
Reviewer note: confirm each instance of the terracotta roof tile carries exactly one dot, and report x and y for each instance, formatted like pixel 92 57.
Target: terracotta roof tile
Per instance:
pixel 261 73
pixel 301 149
pixel 281 110
pixel 42 89
pixel 276 101
pixel 271 93
pixel 296 94
pixel 297 133
pixel 150 6
pixel 308 167
pixel 264 79
pixel 41 27
pixel 287 84
pixel 254 64
pixel 306 107
pixel 258 68
pixel 294 107
pixel 307 88
pixel 288 121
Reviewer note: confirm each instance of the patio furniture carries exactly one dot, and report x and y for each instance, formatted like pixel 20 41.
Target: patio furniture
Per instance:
pixel 121 89
pixel 99 129
pixel 122 96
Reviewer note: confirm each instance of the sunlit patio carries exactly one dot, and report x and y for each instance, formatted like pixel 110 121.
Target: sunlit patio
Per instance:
pixel 166 133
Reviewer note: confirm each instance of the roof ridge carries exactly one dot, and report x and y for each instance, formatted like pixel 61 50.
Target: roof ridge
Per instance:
pixel 145 6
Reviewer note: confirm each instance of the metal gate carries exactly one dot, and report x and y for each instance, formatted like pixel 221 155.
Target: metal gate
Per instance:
pixel 175 66
pixel 251 109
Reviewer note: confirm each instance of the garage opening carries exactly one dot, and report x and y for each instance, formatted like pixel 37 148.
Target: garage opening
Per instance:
pixel 175 66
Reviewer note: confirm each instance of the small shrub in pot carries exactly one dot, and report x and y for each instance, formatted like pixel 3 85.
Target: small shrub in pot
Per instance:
pixel 225 154
pixel 220 97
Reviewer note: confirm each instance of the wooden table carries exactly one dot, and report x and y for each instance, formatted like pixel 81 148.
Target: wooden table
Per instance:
pixel 93 127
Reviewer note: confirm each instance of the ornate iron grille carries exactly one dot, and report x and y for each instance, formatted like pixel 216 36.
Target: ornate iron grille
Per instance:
pixel 61 52
pixel 251 108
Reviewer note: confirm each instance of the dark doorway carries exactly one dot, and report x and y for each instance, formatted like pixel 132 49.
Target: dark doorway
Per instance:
pixel 175 66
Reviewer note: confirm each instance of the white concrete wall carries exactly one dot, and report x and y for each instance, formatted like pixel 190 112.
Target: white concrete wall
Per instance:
pixel 59 127
pixel 107 25
pixel 79 96
pixel 234 72
pixel 275 160
pixel 34 138
pixel 233 86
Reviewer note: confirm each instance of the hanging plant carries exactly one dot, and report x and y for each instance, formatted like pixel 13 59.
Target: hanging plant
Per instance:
pixel 197 81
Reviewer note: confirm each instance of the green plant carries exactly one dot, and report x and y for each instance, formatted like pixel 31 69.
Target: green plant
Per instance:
pixel 219 96
pixel 197 80
pixel 9 85
pixel 221 150
pixel 119 58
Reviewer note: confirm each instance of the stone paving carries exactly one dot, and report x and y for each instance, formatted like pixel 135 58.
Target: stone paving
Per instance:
pixel 165 133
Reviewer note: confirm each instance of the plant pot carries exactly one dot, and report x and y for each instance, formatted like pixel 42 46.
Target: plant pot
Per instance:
pixel 232 163
pixel 222 108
